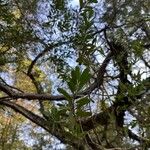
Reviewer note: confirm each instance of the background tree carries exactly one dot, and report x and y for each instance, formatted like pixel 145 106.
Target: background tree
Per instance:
pixel 84 69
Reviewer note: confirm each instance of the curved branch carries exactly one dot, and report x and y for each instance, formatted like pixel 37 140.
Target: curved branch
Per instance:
pixel 100 76
pixel 59 133
pixel 26 113
pixel 6 89
pixel 39 90
pixel 47 48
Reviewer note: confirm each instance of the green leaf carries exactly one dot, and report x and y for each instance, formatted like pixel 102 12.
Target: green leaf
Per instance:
pixel 53 114
pixel 67 96
pixel 75 74
pixel 62 112
pixel 75 77
pixel 81 113
pixel 83 101
pixel 47 24
pixel 133 124
pixel 85 77
pixel 81 3
pixel 72 86
pixel 93 1
pixel 90 12
pixel 137 48
pixel 78 73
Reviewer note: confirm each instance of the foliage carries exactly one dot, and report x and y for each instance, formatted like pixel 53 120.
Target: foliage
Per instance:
pixel 9 131
pixel 79 72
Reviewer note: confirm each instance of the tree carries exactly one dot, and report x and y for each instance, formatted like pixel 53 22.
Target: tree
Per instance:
pixel 88 67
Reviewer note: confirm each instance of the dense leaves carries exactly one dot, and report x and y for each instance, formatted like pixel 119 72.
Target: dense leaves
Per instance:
pixel 78 70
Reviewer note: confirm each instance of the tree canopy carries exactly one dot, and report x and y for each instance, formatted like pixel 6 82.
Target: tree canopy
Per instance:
pixel 79 70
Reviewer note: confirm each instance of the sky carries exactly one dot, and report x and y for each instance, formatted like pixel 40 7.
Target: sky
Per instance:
pixel 75 2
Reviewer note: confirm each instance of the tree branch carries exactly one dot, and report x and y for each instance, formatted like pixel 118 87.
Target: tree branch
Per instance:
pixel 141 140
pixel 13 94
pixel 59 133
pixel 26 113
pixel 100 76
pixel 145 62
pixel 47 48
